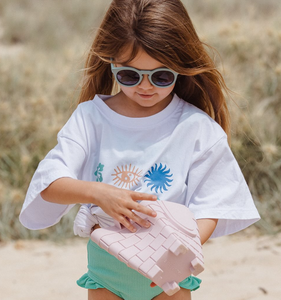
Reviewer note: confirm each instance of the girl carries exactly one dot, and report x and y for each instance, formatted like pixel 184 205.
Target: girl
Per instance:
pixel 162 136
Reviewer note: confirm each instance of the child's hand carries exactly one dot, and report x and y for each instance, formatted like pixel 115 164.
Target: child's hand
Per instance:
pixel 120 203
pixel 97 226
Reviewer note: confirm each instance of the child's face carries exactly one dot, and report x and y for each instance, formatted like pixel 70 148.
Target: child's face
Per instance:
pixel 145 96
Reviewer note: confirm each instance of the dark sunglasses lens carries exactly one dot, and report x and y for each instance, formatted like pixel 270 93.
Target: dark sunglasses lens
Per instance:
pixel 163 78
pixel 128 77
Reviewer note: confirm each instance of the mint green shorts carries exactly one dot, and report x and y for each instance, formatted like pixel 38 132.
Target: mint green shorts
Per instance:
pixel 106 271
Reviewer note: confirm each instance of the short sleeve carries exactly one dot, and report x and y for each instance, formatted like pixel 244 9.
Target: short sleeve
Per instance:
pixel 66 159
pixel 217 189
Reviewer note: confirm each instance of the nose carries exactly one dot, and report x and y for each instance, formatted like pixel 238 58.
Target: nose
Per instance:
pixel 145 83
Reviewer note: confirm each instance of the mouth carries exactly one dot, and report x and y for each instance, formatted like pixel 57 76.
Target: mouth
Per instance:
pixel 146 96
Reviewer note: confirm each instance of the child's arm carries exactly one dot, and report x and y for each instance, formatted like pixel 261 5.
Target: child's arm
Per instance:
pixel 116 202
pixel 206 228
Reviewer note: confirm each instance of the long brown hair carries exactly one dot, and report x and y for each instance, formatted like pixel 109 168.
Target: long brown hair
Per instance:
pixel 164 30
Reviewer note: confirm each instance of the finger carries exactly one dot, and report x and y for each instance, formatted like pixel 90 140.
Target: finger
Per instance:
pixel 143 196
pixel 126 223
pixel 153 285
pixel 144 210
pixel 139 220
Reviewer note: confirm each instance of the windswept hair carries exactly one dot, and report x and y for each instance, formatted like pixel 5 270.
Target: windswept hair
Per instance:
pixel 163 29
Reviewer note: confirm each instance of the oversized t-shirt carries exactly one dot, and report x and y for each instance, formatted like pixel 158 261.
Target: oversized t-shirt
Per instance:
pixel 179 154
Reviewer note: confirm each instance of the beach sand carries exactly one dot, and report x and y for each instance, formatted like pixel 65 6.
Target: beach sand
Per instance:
pixel 237 267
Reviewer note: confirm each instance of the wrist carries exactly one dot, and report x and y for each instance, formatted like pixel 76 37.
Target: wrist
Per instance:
pixel 95 193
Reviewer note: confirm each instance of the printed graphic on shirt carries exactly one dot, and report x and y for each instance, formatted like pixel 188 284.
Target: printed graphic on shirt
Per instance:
pixel 98 173
pixel 159 178
pixel 126 177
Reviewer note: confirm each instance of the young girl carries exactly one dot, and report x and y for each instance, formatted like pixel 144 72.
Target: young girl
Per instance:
pixel 162 136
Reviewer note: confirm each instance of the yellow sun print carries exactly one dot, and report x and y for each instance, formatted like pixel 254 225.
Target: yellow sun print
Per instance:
pixel 126 177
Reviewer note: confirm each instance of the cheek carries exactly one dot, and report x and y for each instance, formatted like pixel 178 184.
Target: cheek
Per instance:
pixel 127 90
pixel 166 91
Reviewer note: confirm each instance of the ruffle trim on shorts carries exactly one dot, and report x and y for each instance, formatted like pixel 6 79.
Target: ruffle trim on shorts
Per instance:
pixel 88 283
pixel 191 283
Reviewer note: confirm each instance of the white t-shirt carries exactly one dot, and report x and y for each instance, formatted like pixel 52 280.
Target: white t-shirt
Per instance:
pixel 179 154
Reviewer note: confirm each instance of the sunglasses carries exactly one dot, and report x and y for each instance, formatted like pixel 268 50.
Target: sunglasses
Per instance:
pixel 127 76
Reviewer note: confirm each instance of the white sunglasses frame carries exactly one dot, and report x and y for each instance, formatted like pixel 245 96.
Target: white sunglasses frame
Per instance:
pixel 115 71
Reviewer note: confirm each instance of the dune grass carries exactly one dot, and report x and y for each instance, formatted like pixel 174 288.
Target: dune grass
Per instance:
pixel 42 47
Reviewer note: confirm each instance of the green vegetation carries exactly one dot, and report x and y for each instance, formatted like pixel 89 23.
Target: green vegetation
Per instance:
pixel 42 47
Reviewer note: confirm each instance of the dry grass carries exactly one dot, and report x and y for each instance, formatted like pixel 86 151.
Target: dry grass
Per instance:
pixel 248 38
pixel 42 44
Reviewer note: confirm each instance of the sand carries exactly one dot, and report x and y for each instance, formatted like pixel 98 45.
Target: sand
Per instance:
pixel 238 267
